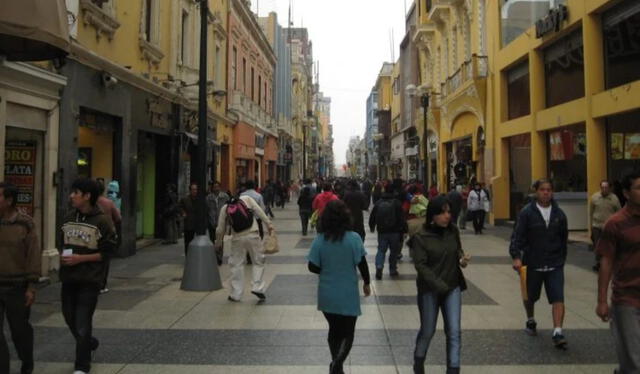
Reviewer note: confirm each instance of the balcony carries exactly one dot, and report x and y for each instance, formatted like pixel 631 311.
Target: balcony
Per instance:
pixel 252 113
pixel 470 70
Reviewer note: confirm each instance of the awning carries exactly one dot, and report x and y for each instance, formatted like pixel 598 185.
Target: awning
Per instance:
pixel 33 30
pixel 194 138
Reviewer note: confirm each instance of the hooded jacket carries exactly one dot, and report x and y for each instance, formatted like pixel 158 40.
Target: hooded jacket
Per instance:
pixel 537 244
pixel 20 254
pixel 87 234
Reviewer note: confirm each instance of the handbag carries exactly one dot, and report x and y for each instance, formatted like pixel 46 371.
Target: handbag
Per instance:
pixel 271 244
pixel 313 221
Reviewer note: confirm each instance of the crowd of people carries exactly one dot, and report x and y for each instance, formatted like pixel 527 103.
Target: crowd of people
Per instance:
pixel 430 222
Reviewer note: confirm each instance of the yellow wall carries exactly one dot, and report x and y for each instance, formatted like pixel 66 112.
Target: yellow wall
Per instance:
pixel 101 144
pixel 589 110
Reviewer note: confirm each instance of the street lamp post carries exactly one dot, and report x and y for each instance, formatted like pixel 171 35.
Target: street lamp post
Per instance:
pixel 424 100
pixel 423 91
pixel 201 271
pixel 304 151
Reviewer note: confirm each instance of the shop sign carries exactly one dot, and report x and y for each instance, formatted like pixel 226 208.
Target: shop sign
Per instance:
pixel 552 21
pixel 20 170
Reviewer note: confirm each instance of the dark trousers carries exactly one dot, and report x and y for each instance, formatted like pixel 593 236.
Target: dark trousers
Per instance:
pixel 304 220
pixel 79 301
pixel 596 233
pixel 12 305
pixel 341 334
pixel 478 220
pixel 188 237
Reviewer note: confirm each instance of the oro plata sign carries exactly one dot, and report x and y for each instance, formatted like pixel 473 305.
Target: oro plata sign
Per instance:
pixel 552 21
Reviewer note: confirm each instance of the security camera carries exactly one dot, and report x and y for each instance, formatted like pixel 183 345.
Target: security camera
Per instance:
pixel 109 80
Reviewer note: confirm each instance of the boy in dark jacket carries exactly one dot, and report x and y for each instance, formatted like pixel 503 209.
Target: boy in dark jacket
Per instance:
pixel 539 242
pixel 388 216
pixel 89 241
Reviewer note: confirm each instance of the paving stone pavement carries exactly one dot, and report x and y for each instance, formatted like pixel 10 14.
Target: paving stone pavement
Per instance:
pixel 146 324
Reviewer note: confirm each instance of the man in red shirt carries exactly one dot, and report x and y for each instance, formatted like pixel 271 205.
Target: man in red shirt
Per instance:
pixel 323 199
pixel 619 247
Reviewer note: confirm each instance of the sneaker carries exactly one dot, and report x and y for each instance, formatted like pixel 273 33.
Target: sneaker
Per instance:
pixel 259 295
pixel 232 299
pixel 530 328
pixel 104 290
pixel 80 372
pixel 559 341
pixel 379 274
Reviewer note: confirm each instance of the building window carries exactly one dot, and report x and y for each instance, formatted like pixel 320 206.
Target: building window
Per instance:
pixel 244 75
pixel 621 29
pixel 147 19
pixel 518 91
pixel 395 86
pixel 260 90
pixel 253 84
pixel 567 149
pixel 516 16
pixel 218 70
pixel 183 37
pixel 428 5
pixel 623 146
pixel 265 95
pixel 564 70
pixel 234 68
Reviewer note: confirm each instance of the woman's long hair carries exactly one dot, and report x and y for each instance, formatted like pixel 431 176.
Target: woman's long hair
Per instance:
pixel 436 206
pixel 335 220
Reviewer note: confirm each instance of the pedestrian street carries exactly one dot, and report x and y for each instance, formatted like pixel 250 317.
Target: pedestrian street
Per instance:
pixel 146 324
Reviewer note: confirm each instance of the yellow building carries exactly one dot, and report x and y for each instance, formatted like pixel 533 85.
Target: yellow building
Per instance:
pixel 564 87
pixel 130 104
pixel 384 87
pixel 450 37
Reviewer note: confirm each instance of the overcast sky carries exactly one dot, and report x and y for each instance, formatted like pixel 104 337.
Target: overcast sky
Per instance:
pixel 351 39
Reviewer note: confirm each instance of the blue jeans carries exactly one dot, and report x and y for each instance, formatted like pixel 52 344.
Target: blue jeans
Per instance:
pixel 392 241
pixel 429 303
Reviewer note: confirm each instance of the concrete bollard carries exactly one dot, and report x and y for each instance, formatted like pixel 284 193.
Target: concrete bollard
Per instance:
pixel 201 271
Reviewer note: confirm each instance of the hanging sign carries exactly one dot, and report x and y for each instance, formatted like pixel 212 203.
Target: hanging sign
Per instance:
pixel 20 170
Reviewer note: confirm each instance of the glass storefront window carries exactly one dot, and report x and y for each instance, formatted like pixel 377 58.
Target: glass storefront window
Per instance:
pixel 621 30
pixel 518 91
pixel 623 156
pixel 567 149
pixel 516 16
pixel 564 70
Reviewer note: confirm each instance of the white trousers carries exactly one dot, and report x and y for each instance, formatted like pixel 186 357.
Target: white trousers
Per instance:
pixel 239 248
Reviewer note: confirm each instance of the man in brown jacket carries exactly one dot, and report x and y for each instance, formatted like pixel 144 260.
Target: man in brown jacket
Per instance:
pixel 19 272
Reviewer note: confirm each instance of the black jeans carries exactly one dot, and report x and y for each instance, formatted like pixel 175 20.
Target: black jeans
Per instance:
pixel 478 220
pixel 341 334
pixel 304 220
pixel 188 237
pixel 79 301
pixel 12 305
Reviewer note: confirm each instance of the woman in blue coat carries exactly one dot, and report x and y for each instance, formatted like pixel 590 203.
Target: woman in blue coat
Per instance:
pixel 334 255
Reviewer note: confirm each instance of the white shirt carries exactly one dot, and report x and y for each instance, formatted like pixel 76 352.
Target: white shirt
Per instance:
pixel 546 213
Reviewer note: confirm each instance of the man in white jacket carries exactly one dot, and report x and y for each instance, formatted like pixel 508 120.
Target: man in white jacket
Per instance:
pixel 243 242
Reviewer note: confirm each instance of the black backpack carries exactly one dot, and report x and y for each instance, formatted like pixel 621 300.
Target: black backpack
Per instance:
pixel 239 215
pixel 386 215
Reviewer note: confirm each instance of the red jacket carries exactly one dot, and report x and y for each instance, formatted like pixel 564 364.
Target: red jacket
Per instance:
pixel 322 200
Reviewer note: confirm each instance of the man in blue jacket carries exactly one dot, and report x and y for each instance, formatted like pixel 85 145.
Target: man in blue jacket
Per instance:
pixel 539 242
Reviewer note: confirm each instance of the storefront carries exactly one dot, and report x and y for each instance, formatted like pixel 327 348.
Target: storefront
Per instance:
pixel 29 119
pixel 519 172
pixel 623 151
pixel 397 156
pixel 461 169
pixel 95 141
